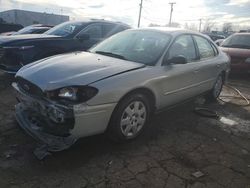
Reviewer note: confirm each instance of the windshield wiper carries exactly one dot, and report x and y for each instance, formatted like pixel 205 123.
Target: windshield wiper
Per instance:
pixel 111 54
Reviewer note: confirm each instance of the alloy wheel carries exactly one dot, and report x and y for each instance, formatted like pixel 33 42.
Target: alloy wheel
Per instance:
pixel 133 119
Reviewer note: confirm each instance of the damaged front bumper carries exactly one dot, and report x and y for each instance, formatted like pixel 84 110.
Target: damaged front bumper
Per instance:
pixel 53 143
pixel 58 126
pixel 47 123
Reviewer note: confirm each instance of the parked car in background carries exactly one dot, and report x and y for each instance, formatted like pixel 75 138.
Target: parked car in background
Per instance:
pixel 32 29
pixel 19 50
pixel 116 85
pixel 219 42
pixel 7 33
pixel 237 47
pixel 9 27
pixel 215 37
pixel 244 31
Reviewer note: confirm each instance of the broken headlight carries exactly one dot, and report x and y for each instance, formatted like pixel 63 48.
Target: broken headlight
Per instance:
pixel 68 93
pixel 74 93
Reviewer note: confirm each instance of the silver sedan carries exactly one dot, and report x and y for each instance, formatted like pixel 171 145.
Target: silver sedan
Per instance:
pixel 116 85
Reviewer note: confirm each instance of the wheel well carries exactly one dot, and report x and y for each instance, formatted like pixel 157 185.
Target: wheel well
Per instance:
pixel 147 92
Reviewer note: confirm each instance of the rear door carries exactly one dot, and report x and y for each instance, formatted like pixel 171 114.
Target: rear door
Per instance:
pixel 181 79
pixel 209 65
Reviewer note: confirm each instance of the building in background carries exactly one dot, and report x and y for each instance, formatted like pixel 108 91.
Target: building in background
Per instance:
pixel 26 18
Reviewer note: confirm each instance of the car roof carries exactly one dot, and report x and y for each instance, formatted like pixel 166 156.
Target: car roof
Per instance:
pixel 171 30
pixel 246 34
pixel 92 20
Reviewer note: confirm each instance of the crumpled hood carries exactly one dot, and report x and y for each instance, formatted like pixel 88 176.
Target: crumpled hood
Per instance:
pixel 17 38
pixel 79 68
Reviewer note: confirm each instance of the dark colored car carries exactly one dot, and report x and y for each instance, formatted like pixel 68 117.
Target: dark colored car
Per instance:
pixel 215 37
pixel 9 27
pixel 32 29
pixel 237 47
pixel 19 50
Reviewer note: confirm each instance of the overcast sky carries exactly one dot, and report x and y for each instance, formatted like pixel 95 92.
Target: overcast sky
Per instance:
pixel 154 11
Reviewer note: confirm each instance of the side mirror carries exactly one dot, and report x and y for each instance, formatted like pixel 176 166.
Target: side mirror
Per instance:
pixel 83 37
pixel 176 60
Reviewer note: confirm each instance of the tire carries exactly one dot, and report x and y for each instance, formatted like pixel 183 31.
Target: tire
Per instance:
pixel 129 118
pixel 217 88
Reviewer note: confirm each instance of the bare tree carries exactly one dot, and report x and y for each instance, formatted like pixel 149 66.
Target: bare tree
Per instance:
pixel 208 26
pixel 227 27
pixel 191 26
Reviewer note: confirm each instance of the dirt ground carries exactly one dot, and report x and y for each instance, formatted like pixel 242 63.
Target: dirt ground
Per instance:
pixel 176 144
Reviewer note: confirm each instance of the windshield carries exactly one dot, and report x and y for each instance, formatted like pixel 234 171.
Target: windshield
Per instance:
pixel 237 41
pixel 65 29
pixel 140 46
pixel 31 31
pixel 24 30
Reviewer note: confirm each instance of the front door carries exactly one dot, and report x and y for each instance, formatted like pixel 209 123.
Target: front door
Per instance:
pixel 180 80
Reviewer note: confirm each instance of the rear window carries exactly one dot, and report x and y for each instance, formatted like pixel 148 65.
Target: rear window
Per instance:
pixel 205 48
pixel 237 41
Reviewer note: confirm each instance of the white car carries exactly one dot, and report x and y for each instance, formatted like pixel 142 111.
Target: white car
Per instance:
pixel 117 85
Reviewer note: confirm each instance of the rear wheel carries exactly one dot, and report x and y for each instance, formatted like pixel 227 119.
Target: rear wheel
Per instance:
pixel 129 118
pixel 215 92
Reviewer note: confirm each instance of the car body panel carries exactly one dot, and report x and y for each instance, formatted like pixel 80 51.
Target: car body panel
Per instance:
pixel 91 120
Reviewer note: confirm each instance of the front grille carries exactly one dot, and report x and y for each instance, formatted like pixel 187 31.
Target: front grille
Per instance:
pixel 29 88
pixel 237 60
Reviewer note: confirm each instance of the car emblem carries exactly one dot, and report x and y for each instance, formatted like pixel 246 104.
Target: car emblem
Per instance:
pixel 26 87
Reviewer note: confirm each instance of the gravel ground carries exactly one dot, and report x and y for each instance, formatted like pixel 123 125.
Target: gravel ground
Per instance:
pixel 176 144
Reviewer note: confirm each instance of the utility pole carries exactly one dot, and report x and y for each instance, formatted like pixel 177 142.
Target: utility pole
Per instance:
pixel 171 12
pixel 139 19
pixel 200 25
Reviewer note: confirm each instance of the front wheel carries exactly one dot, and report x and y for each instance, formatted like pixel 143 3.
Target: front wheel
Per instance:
pixel 129 118
pixel 215 92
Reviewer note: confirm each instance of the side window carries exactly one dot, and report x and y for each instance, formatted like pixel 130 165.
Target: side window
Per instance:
pixel 108 30
pixel 94 31
pixel 205 48
pixel 121 28
pixel 216 52
pixel 183 46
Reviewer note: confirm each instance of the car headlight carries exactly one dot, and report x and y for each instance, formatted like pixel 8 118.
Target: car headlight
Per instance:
pixel 74 93
pixel 247 60
pixel 18 47
pixel 68 93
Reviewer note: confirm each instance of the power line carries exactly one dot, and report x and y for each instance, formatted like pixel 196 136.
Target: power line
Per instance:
pixel 139 19
pixel 171 12
pixel 200 25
